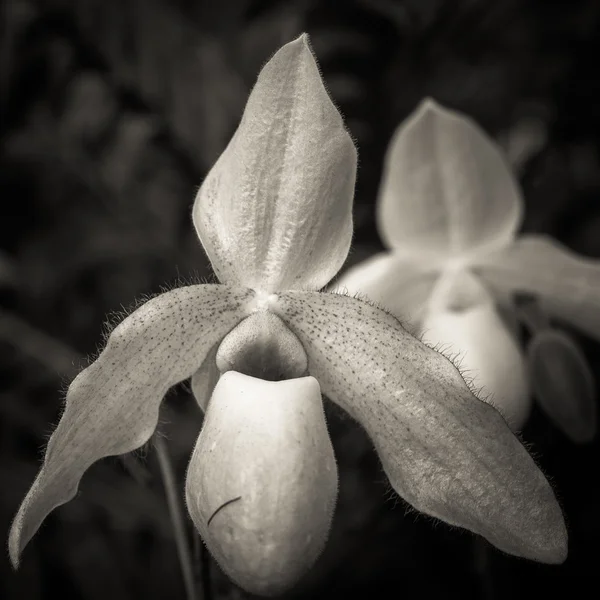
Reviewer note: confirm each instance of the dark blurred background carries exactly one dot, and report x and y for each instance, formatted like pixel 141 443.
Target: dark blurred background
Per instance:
pixel 112 112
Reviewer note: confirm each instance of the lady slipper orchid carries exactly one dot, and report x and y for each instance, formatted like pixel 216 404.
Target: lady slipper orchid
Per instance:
pixel 275 218
pixel 448 210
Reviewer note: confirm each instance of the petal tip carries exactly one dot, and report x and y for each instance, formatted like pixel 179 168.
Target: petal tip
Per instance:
pixel 542 536
pixel 429 104
pixel 556 547
pixel 559 554
pixel 303 39
pixel 297 49
pixel 15 545
pixel 431 107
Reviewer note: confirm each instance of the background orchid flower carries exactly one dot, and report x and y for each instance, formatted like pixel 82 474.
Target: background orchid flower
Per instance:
pixel 274 216
pixel 561 379
pixel 448 211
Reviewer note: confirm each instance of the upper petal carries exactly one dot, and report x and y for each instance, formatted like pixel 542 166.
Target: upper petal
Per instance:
pixel 567 285
pixel 262 482
pixel 112 405
pixel 446 452
pixel 446 187
pixel 275 212
pixel 397 283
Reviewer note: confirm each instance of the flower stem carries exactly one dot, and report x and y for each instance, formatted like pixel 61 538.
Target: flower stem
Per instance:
pixel 481 557
pixel 202 566
pixel 177 518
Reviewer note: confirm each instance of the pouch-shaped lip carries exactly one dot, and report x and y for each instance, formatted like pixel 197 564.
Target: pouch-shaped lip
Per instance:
pixel 262 482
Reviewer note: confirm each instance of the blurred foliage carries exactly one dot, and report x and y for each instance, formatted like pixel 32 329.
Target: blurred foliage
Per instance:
pixel 111 114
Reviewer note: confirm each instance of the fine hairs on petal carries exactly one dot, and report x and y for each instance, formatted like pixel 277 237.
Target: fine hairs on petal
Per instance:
pixel 401 284
pixel 112 406
pixel 461 317
pixel 446 452
pixel 275 211
pixel 490 358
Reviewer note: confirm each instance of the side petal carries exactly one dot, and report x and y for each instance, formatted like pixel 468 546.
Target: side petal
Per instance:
pixel 563 383
pixel 567 285
pixel 447 453
pixel 112 405
pixel 275 212
pixel 403 286
pixel 446 188
pixel 262 482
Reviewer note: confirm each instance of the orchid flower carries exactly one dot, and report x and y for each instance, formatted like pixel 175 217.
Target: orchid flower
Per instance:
pixel 275 218
pixel 449 209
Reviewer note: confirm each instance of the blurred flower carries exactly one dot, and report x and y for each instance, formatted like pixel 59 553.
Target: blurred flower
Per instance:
pixel 561 379
pixel 274 216
pixel 448 210
pixel 563 383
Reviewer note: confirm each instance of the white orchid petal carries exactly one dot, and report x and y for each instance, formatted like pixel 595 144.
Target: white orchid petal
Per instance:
pixel 567 285
pixel 398 284
pixel 447 189
pixel 449 454
pixel 466 325
pixel 262 482
pixel 112 406
pixel 275 212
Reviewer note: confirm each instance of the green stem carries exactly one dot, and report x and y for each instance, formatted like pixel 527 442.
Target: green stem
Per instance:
pixel 177 518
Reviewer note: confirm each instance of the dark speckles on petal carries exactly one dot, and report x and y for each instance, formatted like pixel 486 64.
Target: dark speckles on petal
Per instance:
pixel 112 406
pixel 449 454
